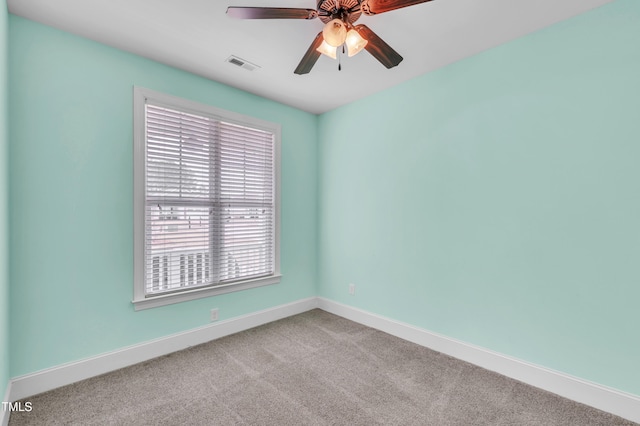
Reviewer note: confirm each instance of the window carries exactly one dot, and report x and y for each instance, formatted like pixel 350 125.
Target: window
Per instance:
pixel 206 200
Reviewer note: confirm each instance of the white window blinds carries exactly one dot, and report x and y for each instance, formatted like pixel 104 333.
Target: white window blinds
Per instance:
pixel 209 201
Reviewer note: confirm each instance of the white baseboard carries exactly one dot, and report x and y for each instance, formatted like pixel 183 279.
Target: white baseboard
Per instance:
pixel 601 397
pixel 604 398
pixel 4 414
pixel 51 378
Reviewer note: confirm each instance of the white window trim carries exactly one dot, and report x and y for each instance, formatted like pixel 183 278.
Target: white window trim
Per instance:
pixel 140 300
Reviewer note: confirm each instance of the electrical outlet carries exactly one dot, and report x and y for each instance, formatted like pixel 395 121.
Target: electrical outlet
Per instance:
pixel 214 314
pixel 352 289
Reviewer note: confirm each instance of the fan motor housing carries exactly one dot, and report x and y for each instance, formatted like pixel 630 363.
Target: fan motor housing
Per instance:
pixel 339 9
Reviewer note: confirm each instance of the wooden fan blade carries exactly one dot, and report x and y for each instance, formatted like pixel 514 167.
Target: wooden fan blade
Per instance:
pixel 374 7
pixel 378 48
pixel 309 59
pixel 271 13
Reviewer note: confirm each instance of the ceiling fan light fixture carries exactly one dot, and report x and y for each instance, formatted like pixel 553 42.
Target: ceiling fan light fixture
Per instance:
pixel 326 49
pixel 355 43
pixel 338 17
pixel 335 32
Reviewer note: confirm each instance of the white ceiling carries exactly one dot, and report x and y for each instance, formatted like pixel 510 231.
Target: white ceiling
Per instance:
pixel 197 36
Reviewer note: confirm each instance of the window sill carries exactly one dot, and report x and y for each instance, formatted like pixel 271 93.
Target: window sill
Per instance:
pixel 199 293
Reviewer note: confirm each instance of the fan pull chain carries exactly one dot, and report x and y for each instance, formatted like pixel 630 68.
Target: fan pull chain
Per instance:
pixel 340 58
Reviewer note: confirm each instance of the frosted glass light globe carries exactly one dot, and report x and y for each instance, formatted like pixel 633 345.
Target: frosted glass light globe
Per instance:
pixel 326 49
pixel 335 32
pixel 355 42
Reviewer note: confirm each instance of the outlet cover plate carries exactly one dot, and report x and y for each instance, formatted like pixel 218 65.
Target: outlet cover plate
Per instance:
pixel 214 314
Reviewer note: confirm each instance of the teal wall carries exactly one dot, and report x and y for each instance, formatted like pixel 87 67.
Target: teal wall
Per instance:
pixel 71 200
pixel 496 200
pixel 4 209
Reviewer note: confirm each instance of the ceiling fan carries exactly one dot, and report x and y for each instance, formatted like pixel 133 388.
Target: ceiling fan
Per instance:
pixel 339 31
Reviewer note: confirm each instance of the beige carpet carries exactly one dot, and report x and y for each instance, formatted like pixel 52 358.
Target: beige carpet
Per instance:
pixel 310 369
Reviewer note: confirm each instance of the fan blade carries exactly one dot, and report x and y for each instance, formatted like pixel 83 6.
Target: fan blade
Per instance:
pixel 378 48
pixel 374 7
pixel 309 59
pixel 271 13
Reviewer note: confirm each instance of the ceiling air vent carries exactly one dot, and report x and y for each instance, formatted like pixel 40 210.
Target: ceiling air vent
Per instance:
pixel 242 63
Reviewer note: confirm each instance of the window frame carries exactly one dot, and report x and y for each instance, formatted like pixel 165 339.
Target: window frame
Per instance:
pixel 140 98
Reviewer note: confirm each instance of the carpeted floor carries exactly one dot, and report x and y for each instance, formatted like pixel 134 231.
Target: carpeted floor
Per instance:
pixel 310 369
